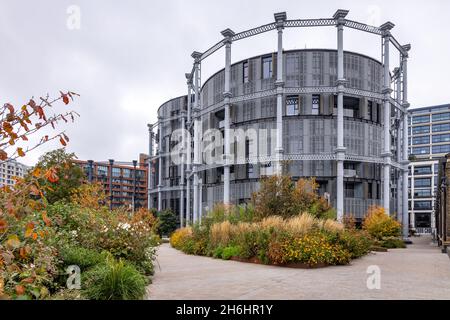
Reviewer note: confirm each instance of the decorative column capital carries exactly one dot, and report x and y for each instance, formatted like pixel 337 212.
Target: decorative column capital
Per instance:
pixel 188 79
pixel 387 91
pixel 339 17
pixel 406 49
pixel 279 85
pixel 341 83
pixel 228 35
pixel 227 95
pixel 280 19
pixel 386 29
pixel 197 56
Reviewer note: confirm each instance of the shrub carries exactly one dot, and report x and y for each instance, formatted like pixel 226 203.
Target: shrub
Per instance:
pixel 280 196
pixel 179 237
pixel 220 234
pixel 379 225
pixel 311 249
pixel 113 280
pixel 357 243
pixel 229 252
pixel 393 243
pixel 167 222
pixel 82 257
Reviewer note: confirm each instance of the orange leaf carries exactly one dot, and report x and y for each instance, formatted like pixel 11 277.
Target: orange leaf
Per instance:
pixel 24 137
pixel 37 172
pixel 62 141
pixel 3 155
pixel 46 219
pixel 29 229
pixel 20 290
pixel 20 152
pixel 51 175
pixel 9 107
pixel 34 236
pixel 64 97
pixel 28 280
pixel 23 253
pixel 3 225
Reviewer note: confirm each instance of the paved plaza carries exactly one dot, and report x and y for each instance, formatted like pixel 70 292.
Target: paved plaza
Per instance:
pixel 419 272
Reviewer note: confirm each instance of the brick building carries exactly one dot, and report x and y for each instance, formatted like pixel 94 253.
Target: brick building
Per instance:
pixel 124 182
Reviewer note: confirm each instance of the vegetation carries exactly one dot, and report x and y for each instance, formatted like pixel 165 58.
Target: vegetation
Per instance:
pixel 39 238
pixel 286 224
pixel 167 222
pixel 114 280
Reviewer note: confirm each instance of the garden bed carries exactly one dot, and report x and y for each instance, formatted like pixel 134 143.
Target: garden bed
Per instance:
pixel 294 265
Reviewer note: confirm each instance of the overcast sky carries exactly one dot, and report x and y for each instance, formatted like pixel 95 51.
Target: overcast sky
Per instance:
pixel 129 57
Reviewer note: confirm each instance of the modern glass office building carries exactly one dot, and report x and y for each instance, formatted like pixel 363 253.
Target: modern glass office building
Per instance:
pixel 429 140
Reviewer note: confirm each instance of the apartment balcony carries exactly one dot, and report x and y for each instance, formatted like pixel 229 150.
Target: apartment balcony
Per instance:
pixel 350 173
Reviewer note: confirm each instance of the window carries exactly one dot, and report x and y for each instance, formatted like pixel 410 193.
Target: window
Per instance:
pixel 422 193
pixel 422 170
pixel 441 127
pixel 424 182
pixel 441 138
pixel 292 105
pixel 421 150
pixel 421 140
pixel 369 110
pixel 315 104
pixel 245 72
pixel 422 220
pixel 349 190
pixel 102 170
pixel 421 129
pixel 267 67
pixel 422 205
pixel 441 149
pixel 116 172
pixel 421 119
pixel 441 117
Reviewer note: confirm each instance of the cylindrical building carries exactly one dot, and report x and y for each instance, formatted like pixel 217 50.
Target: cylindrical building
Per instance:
pixel 324 113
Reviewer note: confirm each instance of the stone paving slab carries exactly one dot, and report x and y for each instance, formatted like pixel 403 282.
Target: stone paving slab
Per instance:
pixel 419 272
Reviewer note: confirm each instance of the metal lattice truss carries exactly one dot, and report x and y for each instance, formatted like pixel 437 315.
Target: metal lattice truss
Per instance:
pixel 301 23
pixel 299 157
pixel 310 23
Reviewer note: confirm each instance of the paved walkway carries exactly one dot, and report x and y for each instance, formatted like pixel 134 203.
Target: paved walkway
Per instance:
pixel 419 272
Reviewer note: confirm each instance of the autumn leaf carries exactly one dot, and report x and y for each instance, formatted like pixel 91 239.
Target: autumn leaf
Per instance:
pixel 20 290
pixel 3 226
pixel 51 175
pixel 34 236
pixel 7 127
pixel 20 152
pixel 64 97
pixel 32 103
pixel 46 219
pixel 34 190
pixel 29 229
pixel 13 242
pixel 66 137
pixel 24 137
pixel 9 107
pixel 3 155
pixel 36 172
pixel 61 139
pixel 28 280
